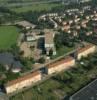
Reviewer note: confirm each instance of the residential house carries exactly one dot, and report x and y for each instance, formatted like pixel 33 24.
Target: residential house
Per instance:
pixel 66 27
pixel 77 20
pixel 87 17
pixel 70 22
pixel 89 33
pixel 74 33
pixel 64 23
pixel 84 25
pixel 84 22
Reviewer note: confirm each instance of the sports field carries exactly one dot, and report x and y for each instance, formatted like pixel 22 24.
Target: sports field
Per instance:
pixel 8 36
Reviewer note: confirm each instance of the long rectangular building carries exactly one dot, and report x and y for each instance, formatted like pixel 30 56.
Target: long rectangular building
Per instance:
pixel 60 65
pixel 49 43
pixel 85 51
pixel 22 82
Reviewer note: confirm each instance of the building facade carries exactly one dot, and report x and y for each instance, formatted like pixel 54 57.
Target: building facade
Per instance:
pixel 85 51
pixel 22 82
pixel 60 65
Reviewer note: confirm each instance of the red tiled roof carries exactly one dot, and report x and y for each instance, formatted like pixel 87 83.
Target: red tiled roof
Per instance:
pixel 62 61
pixel 23 78
pixel 85 48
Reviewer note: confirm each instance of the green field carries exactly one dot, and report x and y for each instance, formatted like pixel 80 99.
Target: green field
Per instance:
pixel 62 51
pixel 36 7
pixel 17 1
pixel 8 36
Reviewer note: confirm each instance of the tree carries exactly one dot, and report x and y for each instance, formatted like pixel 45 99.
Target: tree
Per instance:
pixel 58 41
pixel 41 33
pixel 15 50
pixel 2 68
pixel 63 39
pixel 50 52
pixel 41 60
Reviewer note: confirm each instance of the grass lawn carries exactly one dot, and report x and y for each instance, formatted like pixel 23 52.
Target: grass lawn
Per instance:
pixel 8 36
pixel 11 76
pixel 36 7
pixel 45 92
pixel 62 51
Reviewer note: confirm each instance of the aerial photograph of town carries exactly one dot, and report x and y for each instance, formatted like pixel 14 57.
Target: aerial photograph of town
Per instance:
pixel 48 49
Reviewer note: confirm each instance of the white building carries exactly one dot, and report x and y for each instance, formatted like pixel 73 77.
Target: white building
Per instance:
pixel 49 42
pixel 30 38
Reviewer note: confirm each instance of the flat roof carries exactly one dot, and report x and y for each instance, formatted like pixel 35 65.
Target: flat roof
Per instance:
pixel 61 61
pixel 23 78
pixel 89 92
pixel 49 36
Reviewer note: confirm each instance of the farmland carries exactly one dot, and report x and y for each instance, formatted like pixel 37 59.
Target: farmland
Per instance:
pixel 25 1
pixel 29 5
pixel 8 36
pixel 36 7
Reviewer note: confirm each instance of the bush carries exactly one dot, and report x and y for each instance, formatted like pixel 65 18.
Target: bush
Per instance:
pixel 41 60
